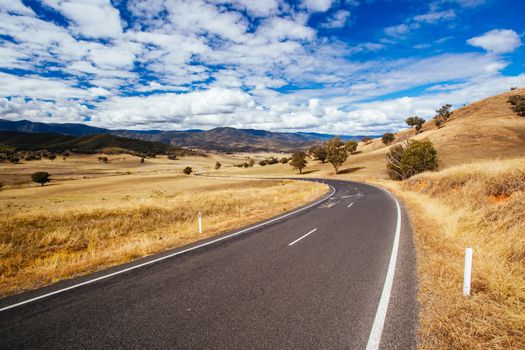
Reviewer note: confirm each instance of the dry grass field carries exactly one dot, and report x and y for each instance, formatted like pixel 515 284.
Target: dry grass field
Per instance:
pixel 91 215
pixel 482 206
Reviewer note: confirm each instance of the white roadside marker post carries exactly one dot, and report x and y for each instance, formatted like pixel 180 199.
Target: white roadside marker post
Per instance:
pixel 200 224
pixel 468 272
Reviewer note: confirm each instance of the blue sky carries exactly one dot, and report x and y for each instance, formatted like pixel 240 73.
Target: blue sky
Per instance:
pixel 333 66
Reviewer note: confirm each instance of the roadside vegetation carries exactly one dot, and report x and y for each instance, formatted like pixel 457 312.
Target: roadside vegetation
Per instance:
pixel 480 205
pixel 57 232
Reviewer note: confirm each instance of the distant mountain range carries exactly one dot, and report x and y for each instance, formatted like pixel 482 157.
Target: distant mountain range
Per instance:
pixel 95 143
pixel 225 139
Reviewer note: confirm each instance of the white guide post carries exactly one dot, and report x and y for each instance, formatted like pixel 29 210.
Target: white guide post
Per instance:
pixel 200 223
pixel 468 272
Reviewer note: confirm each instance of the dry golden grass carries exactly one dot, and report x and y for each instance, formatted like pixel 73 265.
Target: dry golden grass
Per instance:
pixel 74 227
pixel 481 206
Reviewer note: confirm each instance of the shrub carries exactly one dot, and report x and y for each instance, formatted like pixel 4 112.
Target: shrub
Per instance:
pixel 52 156
pixel 318 152
pixel 272 160
pixel 172 156
pixel 40 177
pixel 263 162
pixel 415 158
pixel 217 165
pixel 517 104
pixel 14 159
pixel 416 122
pixel 351 146
pixel 393 162
pixel 103 159
pixel 299 161
pixel 335 153
pixel 284 160
pixel 141 160
pixel 388 138
pixel 187 170
pixel 251 162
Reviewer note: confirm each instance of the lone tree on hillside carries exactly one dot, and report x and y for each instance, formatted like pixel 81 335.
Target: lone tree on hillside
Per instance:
pixel 187 170
pixel 416 122
pixel 517 103
pixel 388 138
pixel 298 161
pixel 40 177
pixel 336 153
pixel 366 140
pixel 351 146
pixel 442 115
pixel 318 153
pixel 218 166
pixel 415 158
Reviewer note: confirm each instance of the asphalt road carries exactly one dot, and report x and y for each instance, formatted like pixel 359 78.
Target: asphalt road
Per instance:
pixel 311 280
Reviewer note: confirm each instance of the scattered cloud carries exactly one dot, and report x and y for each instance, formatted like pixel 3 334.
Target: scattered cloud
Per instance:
pixel 497 41
pixel 338 20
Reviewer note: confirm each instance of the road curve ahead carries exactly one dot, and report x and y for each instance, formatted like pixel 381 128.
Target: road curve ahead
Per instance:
pixel 310 280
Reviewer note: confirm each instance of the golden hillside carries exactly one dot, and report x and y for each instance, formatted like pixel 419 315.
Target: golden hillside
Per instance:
pixel 487 129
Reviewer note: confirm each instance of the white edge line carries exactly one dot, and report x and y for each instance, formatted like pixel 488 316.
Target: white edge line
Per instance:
pixel 164 257
pixel 303 236
pixel 349 205
pixel 374 339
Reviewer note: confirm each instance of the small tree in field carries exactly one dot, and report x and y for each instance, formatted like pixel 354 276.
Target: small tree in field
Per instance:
pixel 52 156
pixel 416 122
pixel 218 166
pixel 442 115
pixel 335 153
pixel 141 160
pixel 388 138
pixel 284 160
pixel 40 177
pixel 351 146
pixel 318 153
pixel 517 103
pixel 366 140
pixel 187 170
pixel 299 161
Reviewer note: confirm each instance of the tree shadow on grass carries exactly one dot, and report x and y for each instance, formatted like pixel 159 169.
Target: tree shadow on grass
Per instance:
pixel 309 171
pixel 351 170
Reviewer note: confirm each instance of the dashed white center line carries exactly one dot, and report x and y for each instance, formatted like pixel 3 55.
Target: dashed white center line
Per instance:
pixel 349 205
pixel 298 239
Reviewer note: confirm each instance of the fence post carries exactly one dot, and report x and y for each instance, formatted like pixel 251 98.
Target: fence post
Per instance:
pixel 468 272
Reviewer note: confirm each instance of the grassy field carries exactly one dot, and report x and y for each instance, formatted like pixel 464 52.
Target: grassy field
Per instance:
pixel 481 206
pixel 80 223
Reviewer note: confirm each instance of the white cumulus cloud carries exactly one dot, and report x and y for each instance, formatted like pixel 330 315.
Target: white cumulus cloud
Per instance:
pixel 497 41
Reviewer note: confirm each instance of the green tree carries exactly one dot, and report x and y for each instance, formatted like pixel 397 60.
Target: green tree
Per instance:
pixel 416 122
pixel 141 160
pixel 318 153
pixel 40 177
pixel 351 146
pixel 366 140
pixel 298 161
pixel 52 156
pixel 284 160
pixel 388 138
pixel 335 153
pixel 218 165
pixel 442 115
pixel 187 170
pixel 251 162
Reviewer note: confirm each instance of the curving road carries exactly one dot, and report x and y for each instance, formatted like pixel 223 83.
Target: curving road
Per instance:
pixel 339 273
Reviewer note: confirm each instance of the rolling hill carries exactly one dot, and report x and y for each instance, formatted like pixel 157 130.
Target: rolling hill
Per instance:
pixel 84 144
pixel 484 130
pixel 225 139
